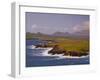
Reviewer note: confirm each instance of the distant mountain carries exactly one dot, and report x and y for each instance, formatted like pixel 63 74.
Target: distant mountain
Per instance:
pixel 79 34
pixel 38 33
pixel 60 34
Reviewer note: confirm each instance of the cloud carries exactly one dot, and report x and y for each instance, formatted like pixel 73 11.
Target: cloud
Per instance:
pixel 34 26
pixel 38 28
pixel 81 27
pixel 47 29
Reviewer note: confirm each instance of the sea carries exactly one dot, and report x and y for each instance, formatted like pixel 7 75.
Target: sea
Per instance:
pixel 39 57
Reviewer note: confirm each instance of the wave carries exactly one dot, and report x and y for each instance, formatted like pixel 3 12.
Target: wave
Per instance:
pixel 76 56
pixel 43 52
pixel 31 47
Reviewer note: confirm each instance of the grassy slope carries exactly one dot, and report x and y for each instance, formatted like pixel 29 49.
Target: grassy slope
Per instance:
pixel 74 44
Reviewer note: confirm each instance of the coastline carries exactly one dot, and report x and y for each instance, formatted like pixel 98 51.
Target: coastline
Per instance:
pixel 45 53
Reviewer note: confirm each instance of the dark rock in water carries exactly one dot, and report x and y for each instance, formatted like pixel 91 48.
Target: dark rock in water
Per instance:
pixel 57 50
pixel 83 54
pixel 43 46
pixel 66 53
pixel 73 53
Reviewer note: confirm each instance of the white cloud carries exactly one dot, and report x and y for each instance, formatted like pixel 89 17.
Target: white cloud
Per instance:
pixel 81 27
pixel 34 26
pixel 46 29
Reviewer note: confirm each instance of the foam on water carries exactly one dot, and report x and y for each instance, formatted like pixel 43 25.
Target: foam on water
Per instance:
pixel 43 52
pixel 76 56
pixel 31 47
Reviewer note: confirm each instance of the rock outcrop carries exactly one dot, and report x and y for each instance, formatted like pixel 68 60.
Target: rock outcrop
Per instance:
pixel 57 50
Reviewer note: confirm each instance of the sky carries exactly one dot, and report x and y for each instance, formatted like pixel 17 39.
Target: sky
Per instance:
pixel 49 23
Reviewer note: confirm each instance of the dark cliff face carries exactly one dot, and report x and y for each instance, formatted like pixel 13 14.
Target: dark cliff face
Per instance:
pixel 57 50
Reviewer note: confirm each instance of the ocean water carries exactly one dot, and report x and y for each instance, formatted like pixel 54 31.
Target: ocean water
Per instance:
pixel 37 57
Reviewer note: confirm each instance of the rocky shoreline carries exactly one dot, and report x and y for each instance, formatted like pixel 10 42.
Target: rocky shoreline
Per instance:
pixel 57 50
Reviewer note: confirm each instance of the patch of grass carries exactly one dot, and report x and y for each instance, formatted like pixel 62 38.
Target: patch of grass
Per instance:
pixel 72 44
